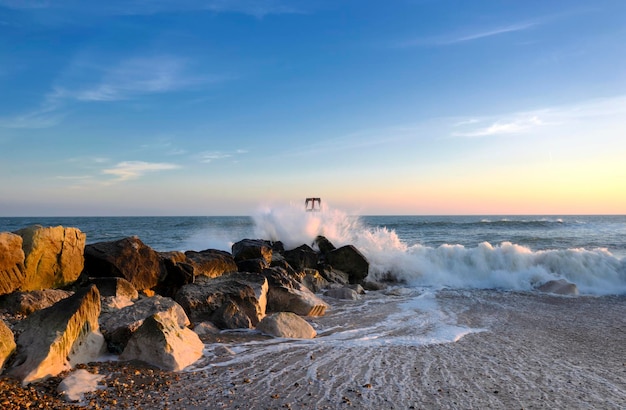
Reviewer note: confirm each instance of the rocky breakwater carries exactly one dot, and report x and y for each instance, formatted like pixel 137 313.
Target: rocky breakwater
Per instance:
pixel 64 302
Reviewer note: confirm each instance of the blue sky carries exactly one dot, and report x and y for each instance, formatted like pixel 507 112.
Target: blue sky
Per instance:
pixel 219 107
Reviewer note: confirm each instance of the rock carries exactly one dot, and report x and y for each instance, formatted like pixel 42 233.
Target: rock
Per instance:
pixel 302 257
pixel 357 288
pixel 324 245
pixel 231 316
pixel 76 384
pixel 211 262
pixel 25 303
pixel 342 293
pixel 12 270
pixel 162 342
pixel 53 256
pixel 252 265
pixel 206 328
pixel 178 272
pixel 7 343
pixel 286 324
pixel 119 326
pixel 252 249
pixel 313 280
pixel 117 287
pixel 53 335
pixel 371 285
pixel 203 300
pixel 334 275
pixel 559 287
pixel 349 260
pixel 127 258
pixel 288 295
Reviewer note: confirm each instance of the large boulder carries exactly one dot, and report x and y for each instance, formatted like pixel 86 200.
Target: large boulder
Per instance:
pixel 313 280
pixel 348 259
pixel 162 342
pixel 127 258
pixel 286 324
pixel 559 287
pixel 7 343
pixel 252 249
pixel 286 294
pixel 12 270
pixel 118 326
pixel 50 338
pixel 324 245
pixel 302 257
pixel 25 303
pixel 342 293
pixel 53 256
pixel 211 262
pixel 230 301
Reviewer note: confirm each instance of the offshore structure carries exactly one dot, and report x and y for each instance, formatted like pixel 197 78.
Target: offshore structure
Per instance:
pixel 309 204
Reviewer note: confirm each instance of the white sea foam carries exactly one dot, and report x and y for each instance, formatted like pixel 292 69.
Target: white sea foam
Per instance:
pixel 502 266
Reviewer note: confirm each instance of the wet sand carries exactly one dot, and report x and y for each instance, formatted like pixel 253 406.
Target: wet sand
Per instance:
pixel 533 351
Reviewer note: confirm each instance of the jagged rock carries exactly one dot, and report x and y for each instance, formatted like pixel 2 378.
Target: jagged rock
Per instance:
pixel 349 260
pixel 357 288
pixel 25 303
pixel 53 256
pixel 118 326
pixel 162 342
pixel 178 272
pixel 206 328
pixel 288 295
pixel 333 275
pixel 342 293
pixel 231 316
pixel 559 287
pixel 313 280
pixel 117 287
pixel 211 262
pixel 53 335
pixel 77 383
pixel 7 343
pixel 252 265
pixel 203 300
pixel 12 270
pixel 324 245
pixel 286 324
pixel 127 258
pixel 252 249
pixel 302 257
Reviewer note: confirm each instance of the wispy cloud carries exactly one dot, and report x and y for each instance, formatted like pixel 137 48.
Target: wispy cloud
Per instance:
pixel 502 127
pixel 601 109
pixel 129 79
pixel 211 156
pixel 469 35
pixel 126 170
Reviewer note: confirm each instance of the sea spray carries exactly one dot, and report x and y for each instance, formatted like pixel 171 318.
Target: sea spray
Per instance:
pixel 506 266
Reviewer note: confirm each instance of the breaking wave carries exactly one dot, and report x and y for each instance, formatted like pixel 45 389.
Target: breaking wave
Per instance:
pixel 505 266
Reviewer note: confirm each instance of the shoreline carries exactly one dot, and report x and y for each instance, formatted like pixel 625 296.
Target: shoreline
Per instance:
pixel 536 351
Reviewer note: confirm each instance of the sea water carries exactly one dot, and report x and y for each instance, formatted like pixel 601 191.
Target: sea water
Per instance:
pixel 486 252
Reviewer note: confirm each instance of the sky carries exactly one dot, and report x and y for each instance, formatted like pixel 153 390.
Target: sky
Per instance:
pixel 218 107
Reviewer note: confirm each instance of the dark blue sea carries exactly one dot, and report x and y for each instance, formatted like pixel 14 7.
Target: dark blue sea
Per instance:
pixel 502 252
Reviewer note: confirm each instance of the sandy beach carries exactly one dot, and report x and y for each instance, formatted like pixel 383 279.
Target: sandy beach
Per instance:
pixel 523 351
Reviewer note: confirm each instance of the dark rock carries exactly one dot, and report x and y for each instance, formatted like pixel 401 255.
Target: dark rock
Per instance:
pixel 25 303
pixel 12 269
pixel 127 258
pixel 203 300
pixel 349 260
pixel 252 265
pixel 302 257
pixel 116 287
pixel 286 294
pixel 252 249
pixel 211 262
pixel 313 280
pixel 559 287
pixel 178 272
pixel 324 245
pixel 333 275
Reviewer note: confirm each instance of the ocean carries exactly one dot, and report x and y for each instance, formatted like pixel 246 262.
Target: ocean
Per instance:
pixel 463 328
pixel 475 252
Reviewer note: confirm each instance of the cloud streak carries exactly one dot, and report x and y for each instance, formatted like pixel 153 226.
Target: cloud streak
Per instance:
pixel 128 170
